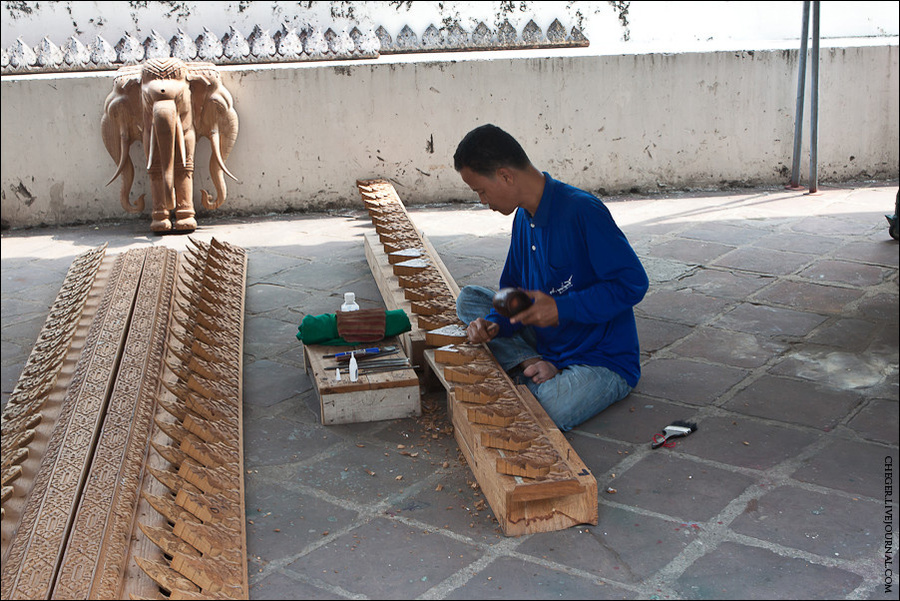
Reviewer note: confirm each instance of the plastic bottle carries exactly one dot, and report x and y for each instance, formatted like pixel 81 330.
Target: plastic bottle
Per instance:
pixel 354 368
pixel 349 302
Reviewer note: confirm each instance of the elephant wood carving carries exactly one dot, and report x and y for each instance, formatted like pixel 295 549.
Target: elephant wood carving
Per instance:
pixel 167 104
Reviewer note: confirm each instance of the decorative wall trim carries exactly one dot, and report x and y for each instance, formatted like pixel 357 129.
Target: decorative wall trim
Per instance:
pixel 286 45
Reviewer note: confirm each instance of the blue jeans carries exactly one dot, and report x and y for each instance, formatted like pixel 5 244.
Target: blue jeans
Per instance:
pixel 576 394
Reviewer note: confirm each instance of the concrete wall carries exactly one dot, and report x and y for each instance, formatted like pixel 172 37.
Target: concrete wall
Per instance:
pixel 605 123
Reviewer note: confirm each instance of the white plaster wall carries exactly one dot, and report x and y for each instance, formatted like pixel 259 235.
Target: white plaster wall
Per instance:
pixel 605 123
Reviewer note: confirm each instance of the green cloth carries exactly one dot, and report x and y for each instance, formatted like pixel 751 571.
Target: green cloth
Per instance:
pixel 322 329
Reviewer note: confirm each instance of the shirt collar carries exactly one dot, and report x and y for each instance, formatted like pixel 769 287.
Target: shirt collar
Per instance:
pixel 545 208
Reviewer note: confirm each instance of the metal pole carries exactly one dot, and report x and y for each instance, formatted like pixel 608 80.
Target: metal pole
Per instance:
pixel 798 113
pixel 814 106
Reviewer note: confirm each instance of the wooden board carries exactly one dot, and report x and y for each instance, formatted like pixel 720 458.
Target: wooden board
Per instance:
pixel 373 397
pixel 96 513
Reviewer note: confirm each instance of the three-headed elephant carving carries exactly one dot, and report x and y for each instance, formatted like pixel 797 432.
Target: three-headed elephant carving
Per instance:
pixel 167 103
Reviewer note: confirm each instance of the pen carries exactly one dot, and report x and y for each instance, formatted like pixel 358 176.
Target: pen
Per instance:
pixel 361 352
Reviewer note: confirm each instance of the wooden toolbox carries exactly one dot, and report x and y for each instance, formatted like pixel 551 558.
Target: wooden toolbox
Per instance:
pixel 373 397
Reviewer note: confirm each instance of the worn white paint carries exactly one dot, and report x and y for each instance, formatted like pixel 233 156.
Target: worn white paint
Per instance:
pixel 605 123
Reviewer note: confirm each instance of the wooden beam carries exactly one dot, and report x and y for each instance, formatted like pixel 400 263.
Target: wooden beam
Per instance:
pixel 530 475
pixel 95 513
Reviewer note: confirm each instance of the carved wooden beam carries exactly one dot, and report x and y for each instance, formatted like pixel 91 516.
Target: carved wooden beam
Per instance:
pixel 530 475
pixel 95 512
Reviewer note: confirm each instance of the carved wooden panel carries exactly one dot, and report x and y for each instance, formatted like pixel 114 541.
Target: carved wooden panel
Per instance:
pixel 529 473
pixel 159 366
pixel 31 411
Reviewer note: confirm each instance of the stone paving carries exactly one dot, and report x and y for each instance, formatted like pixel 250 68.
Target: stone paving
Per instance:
pixel 771 322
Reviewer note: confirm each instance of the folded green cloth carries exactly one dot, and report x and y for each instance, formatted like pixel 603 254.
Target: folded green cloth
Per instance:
pixel 322 329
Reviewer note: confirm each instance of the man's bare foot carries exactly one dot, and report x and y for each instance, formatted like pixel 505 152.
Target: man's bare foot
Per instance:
pixel 539 370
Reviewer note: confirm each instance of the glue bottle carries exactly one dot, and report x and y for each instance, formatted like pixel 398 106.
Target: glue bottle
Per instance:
pixel 349 302
pixel 354 368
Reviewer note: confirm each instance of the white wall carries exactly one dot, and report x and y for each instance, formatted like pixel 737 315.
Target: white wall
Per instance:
pixel 611 123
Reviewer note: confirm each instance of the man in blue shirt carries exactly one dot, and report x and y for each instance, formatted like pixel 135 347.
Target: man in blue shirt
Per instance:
pixel 576 346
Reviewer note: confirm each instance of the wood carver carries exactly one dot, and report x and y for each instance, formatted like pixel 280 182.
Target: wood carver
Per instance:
pixel 167 103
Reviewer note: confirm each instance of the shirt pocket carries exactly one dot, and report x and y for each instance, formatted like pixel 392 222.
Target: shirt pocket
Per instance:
pixel 562 262
pixel 560 255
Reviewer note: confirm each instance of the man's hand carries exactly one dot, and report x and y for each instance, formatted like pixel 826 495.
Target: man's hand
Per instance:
pixel 481 330
pixel 543 313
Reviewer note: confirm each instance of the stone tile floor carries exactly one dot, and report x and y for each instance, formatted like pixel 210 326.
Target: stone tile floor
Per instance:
pixel 771 322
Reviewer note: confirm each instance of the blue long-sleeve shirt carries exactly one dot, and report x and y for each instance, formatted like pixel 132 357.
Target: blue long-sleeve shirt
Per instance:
pixel 573 250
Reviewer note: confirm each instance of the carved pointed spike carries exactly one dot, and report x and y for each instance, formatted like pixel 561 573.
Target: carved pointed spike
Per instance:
pixel 184 337
pixel 197 450
pixel 213 286
pixel 203 478
pixel 208 296
pixel 182 353
pixel 204 306
pixel 167 542
pixel 169 453
pixel 198 349
pixel 203 537
pixel 201 335
pixel 17 456
pixel 176 410
pixel 202 370
pixel 12 425
pixel 197 386
pixel 182 320
pixel 212 433
pixel 209 508
pixel 225 247
pixel 180 371
pixel 196 262
pixel 173 431
pixel 188 310
pixel 190 283
pixel 166 577
pixel 206 323
pixel 215 278
pixel 211 409
pixel 10 474
pixel 178 389
pixel 208 575
pixel 168 479
pixel 167 508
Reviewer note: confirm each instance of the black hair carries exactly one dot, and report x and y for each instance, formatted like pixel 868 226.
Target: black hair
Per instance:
pixel 488 148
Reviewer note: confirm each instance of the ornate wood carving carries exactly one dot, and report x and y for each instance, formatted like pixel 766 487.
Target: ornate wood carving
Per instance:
pixel 157 364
